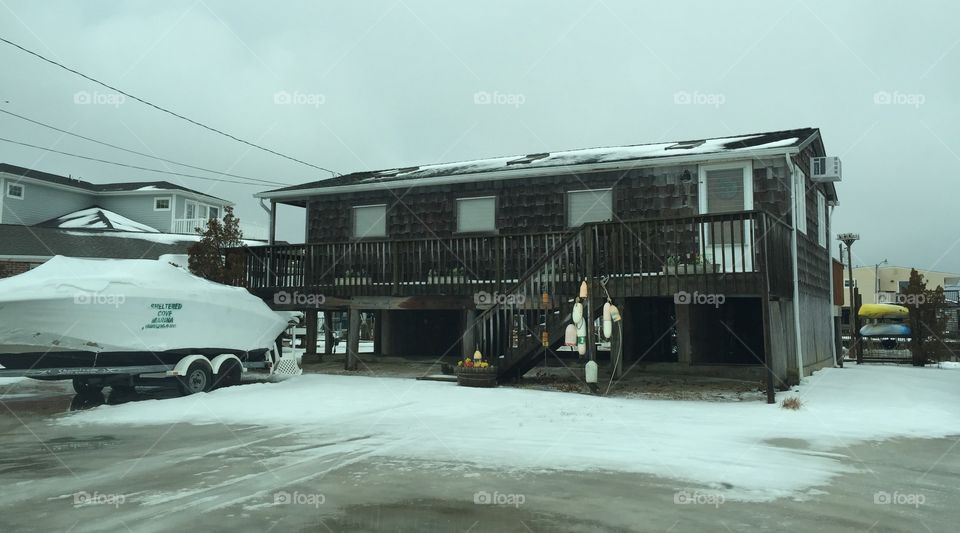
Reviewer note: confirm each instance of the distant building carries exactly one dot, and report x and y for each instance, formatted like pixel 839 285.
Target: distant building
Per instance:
pixel 883 284
pixel 43 215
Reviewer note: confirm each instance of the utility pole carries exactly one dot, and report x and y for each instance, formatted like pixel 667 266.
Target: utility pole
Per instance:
pixel 849 239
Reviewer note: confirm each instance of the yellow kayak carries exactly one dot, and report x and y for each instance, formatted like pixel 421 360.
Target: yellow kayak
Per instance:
pixel 883 311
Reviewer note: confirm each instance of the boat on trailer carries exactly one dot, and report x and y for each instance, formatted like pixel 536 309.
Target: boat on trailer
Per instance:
pixel 80 317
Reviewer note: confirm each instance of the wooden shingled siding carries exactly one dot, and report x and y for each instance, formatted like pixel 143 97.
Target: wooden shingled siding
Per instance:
pixel 532 205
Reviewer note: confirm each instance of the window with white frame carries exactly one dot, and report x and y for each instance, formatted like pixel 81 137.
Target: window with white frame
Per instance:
pixel 476 214
pixel 214 212
pixel 593 205
pixel 161 204
pixel 369 221
pixel 15 190
pixel 189 210
pixel 800 203
pixel 821 219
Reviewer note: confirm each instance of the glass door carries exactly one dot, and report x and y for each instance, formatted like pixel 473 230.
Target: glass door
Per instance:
pixel 727 188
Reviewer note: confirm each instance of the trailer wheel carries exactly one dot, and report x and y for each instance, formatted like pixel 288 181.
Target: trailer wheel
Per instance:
pixel 228 376
pixel 198 378
pixel 83 386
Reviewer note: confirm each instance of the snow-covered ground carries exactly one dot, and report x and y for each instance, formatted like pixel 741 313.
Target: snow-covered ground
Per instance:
pixel 750 451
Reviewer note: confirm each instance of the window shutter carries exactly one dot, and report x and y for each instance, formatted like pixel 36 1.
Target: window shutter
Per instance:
pixel 476 214
pixel 370 221
pixel 589 206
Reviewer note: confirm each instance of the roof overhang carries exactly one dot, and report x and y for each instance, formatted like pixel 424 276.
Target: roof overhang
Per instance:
pixel 518 173
pixel 83 190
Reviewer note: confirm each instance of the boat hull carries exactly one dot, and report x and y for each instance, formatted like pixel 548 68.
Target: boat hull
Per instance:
pixel 134 312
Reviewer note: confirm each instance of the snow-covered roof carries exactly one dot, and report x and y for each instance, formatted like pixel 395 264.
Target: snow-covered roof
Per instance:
pixel 97 188
pixel 523 165
pixel 97 218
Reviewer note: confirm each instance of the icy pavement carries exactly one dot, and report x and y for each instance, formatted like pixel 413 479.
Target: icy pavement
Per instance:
pixel 746 451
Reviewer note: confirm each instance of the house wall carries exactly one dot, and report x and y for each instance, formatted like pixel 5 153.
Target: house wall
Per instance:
pixel 139 208
pixel 538 204
pixel 12 268
pixel 816 331
pixel 40 203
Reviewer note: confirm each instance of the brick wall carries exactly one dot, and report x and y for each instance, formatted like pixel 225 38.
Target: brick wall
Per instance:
pixel 12 268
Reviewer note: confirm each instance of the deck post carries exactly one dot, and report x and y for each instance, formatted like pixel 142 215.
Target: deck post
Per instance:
pixel 328 333
pixel 765 308
pixel 310 348
pixel 468 340
pixel 378 332
pixel 353 340
pixel 386 332
pixel 587 310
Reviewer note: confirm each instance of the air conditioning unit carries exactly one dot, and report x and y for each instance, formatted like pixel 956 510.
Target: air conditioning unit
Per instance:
pixel 823 169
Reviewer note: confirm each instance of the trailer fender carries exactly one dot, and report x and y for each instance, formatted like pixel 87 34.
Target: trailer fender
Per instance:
pixel 219 360
pixel 184 364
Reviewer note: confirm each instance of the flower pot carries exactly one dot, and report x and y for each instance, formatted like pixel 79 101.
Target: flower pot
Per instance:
pixel 476 377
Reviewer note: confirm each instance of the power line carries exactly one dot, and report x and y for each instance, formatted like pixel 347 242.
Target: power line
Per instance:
pixel 165 110
pixel 37 122
pixel 130 166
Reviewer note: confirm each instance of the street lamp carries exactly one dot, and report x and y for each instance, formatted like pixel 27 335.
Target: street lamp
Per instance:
pixel 876 281
pixel 849 239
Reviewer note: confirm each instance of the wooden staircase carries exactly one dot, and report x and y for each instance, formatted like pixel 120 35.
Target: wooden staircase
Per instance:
pixel 510 333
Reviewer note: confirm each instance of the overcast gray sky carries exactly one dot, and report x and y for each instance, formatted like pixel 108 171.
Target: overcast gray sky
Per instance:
pixel 381 84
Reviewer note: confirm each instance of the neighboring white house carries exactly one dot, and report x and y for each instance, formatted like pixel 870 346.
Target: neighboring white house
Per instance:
pixel 43 214
pixel 31 197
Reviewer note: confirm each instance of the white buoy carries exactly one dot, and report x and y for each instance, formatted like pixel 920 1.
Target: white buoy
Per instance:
pixel 607 321
pixel 577 314
pixel 570 335
pixel 615 313
pixel 583 289
pixel 582 337
pixel 590 371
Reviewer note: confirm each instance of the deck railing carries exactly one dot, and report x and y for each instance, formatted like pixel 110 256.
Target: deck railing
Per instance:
pixel 715 252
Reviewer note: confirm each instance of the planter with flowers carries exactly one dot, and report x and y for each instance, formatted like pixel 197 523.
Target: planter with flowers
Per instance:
pixel 476 372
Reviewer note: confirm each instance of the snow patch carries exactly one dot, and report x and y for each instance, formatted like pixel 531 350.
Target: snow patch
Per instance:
pixel 758 451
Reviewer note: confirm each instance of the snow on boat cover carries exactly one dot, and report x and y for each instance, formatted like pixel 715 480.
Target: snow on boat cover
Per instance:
pixel 88 312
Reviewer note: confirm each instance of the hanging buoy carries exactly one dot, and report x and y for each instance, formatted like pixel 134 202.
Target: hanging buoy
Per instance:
pixel 577 314
pixel 583 289
pixel 582 337
pixel 590 372
pixel 607 321
pixel 545 339
pixel 545 300
pixel 477 356
pixel 615 313
pixel 570 336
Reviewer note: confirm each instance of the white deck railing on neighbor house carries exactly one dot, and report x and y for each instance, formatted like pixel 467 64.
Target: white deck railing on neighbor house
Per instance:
pixel 188 226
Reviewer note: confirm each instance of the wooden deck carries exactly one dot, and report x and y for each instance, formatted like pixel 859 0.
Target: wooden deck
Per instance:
pixel 734 254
